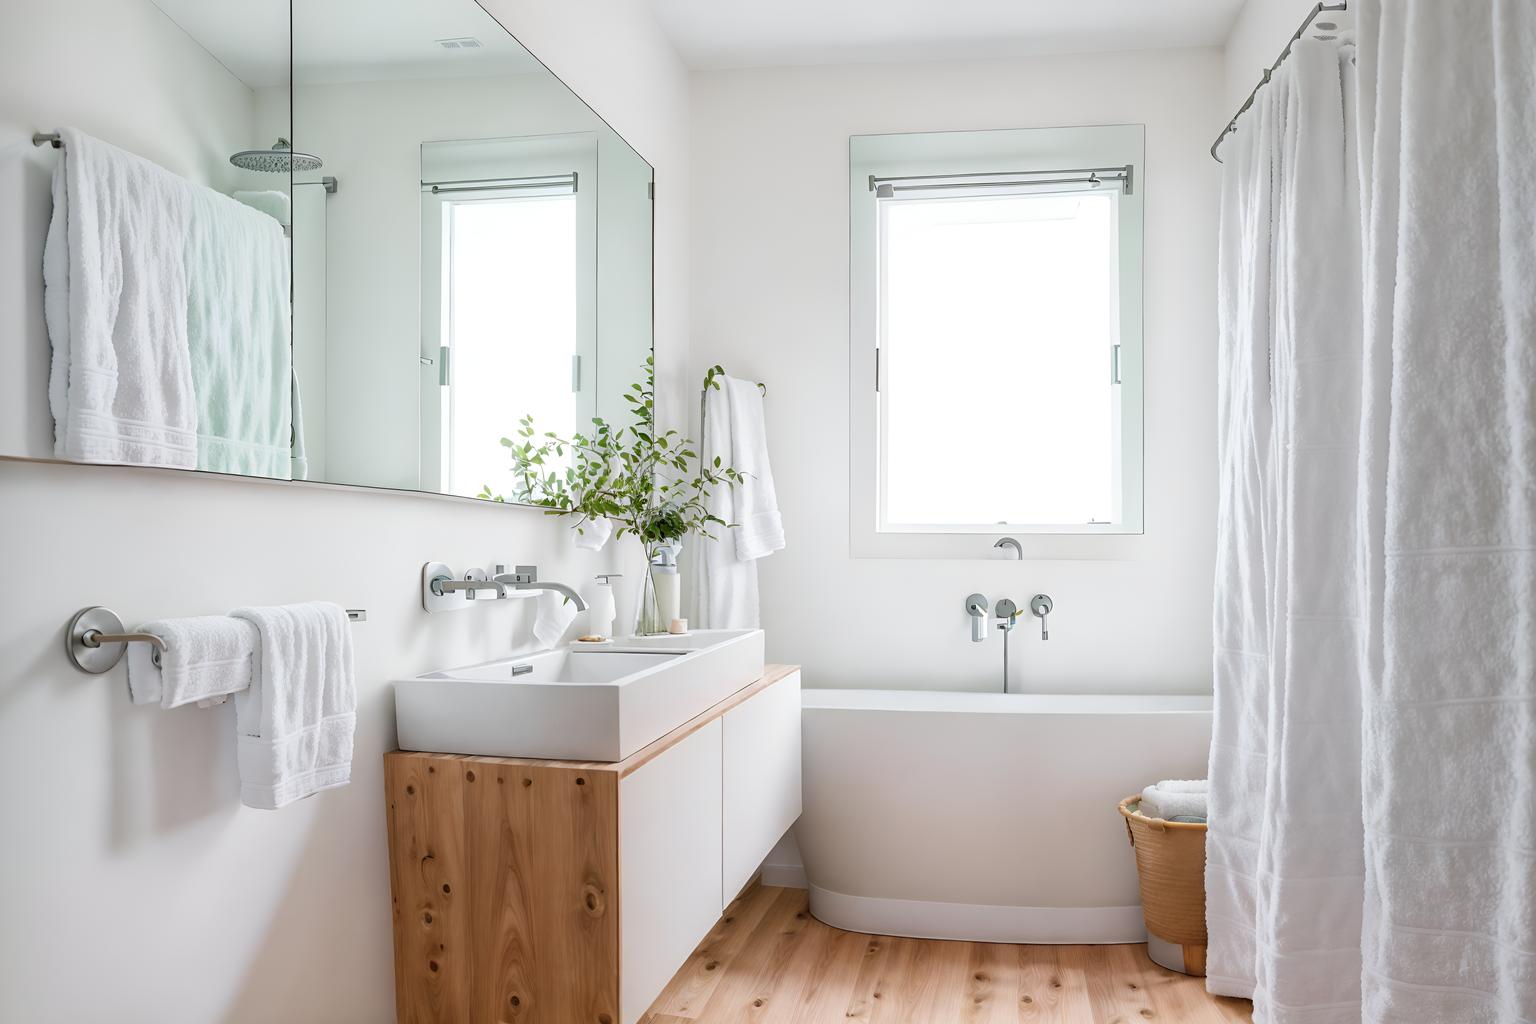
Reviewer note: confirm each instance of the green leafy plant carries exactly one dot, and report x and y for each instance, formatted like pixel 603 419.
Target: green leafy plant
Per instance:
pixel 646 482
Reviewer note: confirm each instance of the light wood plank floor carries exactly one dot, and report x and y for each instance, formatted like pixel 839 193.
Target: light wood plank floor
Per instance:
pixel 769 962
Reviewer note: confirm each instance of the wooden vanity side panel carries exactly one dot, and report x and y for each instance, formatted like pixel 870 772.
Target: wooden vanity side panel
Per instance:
pixel 527 930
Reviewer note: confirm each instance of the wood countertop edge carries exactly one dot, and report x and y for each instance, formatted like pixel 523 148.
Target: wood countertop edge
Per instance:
pixel 771 674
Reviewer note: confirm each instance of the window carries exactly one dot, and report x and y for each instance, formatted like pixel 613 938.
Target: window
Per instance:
pixel 996 345
pixel 510 325
pixel 509 301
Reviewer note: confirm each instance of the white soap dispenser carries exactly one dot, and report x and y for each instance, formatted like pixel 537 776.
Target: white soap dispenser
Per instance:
pixel 601 610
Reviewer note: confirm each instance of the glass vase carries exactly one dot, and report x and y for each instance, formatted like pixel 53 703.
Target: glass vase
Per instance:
pixel 648 620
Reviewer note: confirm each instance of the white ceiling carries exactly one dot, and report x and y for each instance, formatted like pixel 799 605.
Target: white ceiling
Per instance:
pixel 348 40
pixel 753 33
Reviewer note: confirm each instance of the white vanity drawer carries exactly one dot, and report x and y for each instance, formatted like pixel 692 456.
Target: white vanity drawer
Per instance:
pixel 761 779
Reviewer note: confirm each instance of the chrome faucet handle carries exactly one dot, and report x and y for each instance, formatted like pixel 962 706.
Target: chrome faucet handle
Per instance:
pixel 442 586
pixel 1040 605
pixel 976 608
pixel 1007 614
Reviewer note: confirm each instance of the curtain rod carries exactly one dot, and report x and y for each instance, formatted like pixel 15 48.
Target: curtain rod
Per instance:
pixel 884 187
pixel 1269 72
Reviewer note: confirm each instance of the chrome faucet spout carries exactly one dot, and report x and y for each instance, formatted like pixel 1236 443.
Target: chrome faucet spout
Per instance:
pixel 527 578
pixel 1009 542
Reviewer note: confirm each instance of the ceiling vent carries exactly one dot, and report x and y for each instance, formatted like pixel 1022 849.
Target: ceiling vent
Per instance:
pixel 460 43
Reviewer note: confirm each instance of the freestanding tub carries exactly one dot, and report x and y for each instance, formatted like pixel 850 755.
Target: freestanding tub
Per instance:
pixel 984 816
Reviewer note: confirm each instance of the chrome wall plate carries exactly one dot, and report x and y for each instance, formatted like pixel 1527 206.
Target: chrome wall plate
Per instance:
pixel 94 660
pixel 456 602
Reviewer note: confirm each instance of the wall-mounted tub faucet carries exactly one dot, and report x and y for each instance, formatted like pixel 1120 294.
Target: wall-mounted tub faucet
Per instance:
pixel 1007 617
pixel 1009 542
pixel 976 608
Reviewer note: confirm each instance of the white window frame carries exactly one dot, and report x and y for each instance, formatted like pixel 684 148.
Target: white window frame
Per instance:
pixel 479 160
pixel 954 153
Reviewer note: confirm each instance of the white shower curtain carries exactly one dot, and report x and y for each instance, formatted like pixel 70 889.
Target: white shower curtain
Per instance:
pixel 1372 852
pixel 1284 867
pixel 1448 110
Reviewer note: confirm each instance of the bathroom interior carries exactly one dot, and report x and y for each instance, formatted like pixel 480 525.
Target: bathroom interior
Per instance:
pixel 661 511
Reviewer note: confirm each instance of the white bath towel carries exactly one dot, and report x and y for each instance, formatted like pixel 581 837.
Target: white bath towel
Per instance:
pixel 296 719
pixel 1450 511
pixel 725 586
pixel 1173 799
pixel 551 618
pixel 759 529
pixel 207 657
pixel 238 335
pixel 115 298
pixel 591 534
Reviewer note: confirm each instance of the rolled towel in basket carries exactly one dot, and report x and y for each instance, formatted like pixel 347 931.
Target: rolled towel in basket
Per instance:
pixel 1174 798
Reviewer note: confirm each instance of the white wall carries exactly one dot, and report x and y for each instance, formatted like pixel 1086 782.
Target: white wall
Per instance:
pixel 138 888
pixel 1262 29
pixel 770 302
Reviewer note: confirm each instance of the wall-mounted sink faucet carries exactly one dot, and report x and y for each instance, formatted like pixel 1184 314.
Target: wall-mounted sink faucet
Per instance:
pixel 976 607
pixel 1009 542
pixel 442 591
pixel 526 577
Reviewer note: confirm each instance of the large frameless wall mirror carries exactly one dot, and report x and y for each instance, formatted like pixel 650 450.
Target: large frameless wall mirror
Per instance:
pixel 467 241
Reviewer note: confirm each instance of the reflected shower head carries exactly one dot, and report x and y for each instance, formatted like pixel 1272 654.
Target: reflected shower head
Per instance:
pixel 280 159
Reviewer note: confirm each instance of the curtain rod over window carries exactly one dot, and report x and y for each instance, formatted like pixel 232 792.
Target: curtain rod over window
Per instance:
pixel 885 188
pixel 569 181
pixel 1270 71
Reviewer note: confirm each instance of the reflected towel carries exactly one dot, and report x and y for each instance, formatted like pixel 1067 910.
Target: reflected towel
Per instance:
pixel 552 617
pixel 115 299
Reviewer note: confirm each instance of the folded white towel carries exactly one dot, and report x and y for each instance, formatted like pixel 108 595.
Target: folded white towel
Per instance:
pixel 552 617
pixel 296 719
pixel 207 658
pixel 592 534
pixel 115 299
pixel 759 529
pixel 273 203
pixel 1161 801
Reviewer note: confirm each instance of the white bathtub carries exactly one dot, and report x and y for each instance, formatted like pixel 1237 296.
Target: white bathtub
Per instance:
pixel 984 816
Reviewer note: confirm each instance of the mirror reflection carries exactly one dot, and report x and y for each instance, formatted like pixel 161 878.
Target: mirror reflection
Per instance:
pixel 417 237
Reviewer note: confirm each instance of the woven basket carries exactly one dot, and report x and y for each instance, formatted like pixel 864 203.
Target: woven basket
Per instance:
pixel 1170 858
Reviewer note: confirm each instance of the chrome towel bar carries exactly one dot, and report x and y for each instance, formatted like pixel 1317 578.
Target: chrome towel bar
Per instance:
pixel 96 640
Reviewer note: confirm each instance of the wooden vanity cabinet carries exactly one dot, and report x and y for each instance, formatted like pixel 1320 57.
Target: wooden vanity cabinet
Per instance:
pixel 565 892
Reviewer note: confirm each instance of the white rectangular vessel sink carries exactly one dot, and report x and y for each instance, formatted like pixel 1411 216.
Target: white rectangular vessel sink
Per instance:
pixel 580 703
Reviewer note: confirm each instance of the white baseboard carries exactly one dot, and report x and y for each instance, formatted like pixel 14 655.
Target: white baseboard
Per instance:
pixel 785 876
pixel 974 922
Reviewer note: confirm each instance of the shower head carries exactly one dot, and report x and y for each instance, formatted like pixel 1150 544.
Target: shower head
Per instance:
pixel 280 159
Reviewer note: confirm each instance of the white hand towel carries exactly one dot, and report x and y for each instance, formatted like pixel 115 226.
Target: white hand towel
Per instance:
pixel 592 534
pixel 207 658
pixel 115 299
pixel 725 587
pixel 552 617
pixel 759 529
pixel 296 719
